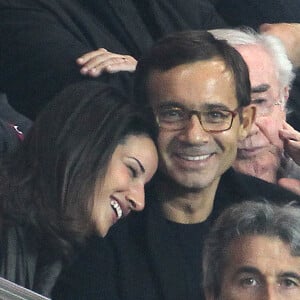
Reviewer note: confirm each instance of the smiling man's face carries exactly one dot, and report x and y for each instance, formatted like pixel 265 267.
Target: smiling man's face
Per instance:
pixel 192 157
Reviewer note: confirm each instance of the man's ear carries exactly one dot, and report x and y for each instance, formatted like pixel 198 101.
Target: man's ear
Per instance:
pixel 247 118
pixel 286 93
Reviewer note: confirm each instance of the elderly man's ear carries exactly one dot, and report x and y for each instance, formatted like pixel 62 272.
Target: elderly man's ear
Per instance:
pixel 248 117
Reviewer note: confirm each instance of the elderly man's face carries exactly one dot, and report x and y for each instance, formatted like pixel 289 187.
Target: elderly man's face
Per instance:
pixel 191 156
pixel 260 267
pixel 259 154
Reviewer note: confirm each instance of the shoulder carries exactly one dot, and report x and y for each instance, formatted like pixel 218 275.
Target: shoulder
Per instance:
pixel 245 186
pixel 130 228
pixel 90 276
pixel 18 256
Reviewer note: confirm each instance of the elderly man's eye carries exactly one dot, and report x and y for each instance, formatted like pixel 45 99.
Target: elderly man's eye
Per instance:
pixel 259 101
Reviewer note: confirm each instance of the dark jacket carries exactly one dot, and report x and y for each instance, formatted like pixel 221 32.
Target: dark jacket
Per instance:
pixel 23 262
pixel 13 127
pixel 41 39
pixel 150 260
pixel 255 12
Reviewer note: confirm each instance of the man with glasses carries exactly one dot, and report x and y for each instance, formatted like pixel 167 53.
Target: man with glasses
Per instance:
pixel 199 90
pixel 271 144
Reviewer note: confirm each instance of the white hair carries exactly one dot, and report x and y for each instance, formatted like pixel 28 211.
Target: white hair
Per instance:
pixel 247 36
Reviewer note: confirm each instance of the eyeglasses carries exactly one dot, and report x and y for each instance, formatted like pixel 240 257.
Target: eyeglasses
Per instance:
pixel 264 107
pixel 177 118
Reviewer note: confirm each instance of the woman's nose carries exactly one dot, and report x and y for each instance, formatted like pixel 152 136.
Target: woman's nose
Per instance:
pixel 136 198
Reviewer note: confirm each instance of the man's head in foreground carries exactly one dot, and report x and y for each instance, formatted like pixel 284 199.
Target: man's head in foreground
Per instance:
pixel 199 90
pixel 253 252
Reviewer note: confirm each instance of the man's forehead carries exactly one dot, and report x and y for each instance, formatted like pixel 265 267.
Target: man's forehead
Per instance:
pixel 193 85
pixel 216 63
pixel 261 65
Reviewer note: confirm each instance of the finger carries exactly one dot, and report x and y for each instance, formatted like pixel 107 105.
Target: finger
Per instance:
pixel 88 56
pixel 288 132
pixel 124 65
pixel 104 66
pixel 98 63
pixel 264 27
pixel 294 144
pixel 104 58
pixel 99 55
pixel 113 65
pixel 292 148
pixel 289 135
pixel 286 125
pixel 290 184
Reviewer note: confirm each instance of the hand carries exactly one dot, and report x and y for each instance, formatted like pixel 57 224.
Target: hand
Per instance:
pixel 289 34
pixel 290 184
pixel 96 62
pixel 291 139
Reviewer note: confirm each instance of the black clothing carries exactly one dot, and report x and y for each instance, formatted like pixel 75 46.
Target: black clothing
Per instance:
pixel 155 259
pixel 13 127
pixel 98 261
pixel 41 39
pixel 256 12
pixel 23 262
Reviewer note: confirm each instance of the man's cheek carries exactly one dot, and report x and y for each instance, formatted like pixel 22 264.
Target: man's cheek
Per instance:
pixel 270 127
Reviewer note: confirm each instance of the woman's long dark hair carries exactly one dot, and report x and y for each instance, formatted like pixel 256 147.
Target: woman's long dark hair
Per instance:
pixel 47 186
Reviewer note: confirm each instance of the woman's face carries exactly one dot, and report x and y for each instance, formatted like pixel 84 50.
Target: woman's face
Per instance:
pixel 132 165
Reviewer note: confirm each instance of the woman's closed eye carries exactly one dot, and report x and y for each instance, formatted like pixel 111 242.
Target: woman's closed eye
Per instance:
pixel 133 171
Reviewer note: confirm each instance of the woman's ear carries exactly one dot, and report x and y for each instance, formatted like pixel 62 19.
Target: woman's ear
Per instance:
pixel 247 118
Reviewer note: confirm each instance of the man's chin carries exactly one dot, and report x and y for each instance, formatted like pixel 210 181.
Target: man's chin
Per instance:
pixel 192 184
pixel 248 154
pixel 261 169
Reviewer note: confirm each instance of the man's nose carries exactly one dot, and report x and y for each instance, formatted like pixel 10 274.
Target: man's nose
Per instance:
pixel 271 292
pixel 136 197
pixel 255 127
pixel 194 132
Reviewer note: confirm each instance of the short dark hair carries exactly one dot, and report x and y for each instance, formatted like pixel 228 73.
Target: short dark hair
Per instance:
pixel 188 47
pixel 48 184
pixel 257 217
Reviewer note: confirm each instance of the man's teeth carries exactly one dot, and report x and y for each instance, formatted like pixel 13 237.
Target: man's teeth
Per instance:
pixel 199 157
pixel 117 208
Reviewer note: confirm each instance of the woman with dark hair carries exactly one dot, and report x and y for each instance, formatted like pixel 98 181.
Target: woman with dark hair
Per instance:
pixel 82 167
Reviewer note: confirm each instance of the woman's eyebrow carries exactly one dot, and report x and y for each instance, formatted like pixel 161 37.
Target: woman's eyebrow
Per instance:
pixel 139 163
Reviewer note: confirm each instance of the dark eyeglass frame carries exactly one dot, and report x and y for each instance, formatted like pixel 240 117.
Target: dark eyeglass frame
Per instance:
pixel 198 113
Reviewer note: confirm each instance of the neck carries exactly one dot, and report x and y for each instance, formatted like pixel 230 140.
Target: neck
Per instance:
pixel 185 205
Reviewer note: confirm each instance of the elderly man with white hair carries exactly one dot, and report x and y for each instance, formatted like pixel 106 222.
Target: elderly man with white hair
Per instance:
pixel 271 149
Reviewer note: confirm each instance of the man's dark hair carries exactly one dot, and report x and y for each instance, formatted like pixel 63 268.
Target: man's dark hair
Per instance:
pixel 188 47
